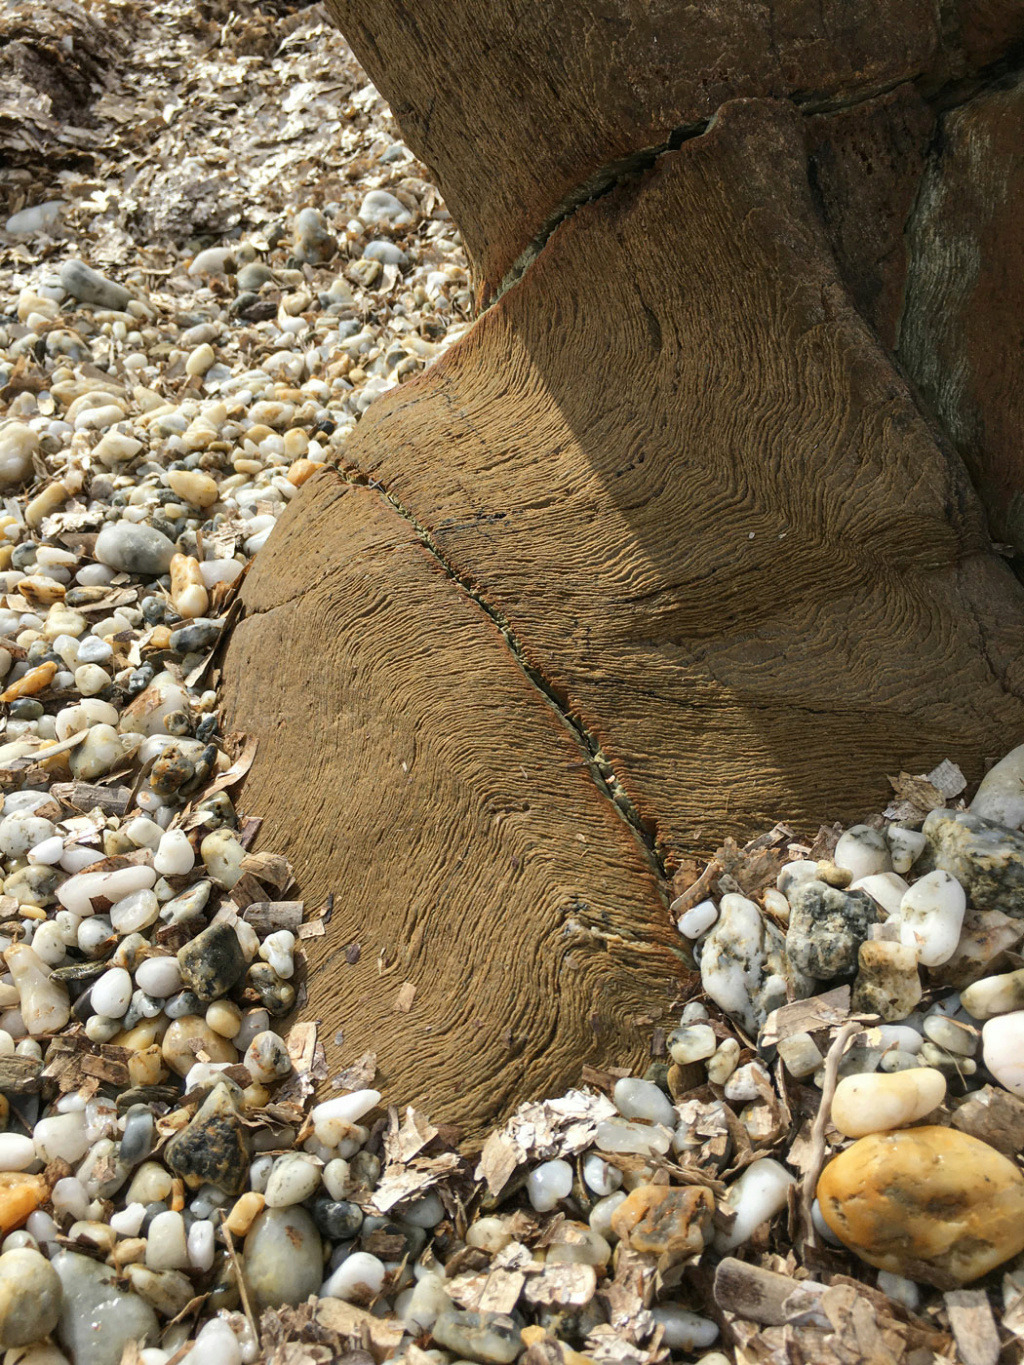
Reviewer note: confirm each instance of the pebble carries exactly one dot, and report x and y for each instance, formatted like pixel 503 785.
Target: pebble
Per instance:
pixel 643 1100
pixel 491 1338
pixel 987 859
pixel 293 1180
pixel 931 917
pixel 684 1330
pixel 665 1220
pixel 758 1195
pixel 549 1183
pixel 931 1204
pixel 827 927
pixel 875 1103
pixel 216 1146
pixel 166 1247
pixel 379 206
pixel 358 1279
pixel 332 1118
pixel 39 218
pixel 283 1257
pixel 1002 1041
pixel 132 547
pixel 862 851
pixel 692 1043
pixel 888 982
pixel 698 919
pixel 30 1297
pixel 88 286
pixel 212 963
pixel 97 1318
pixel 994 995
pixel 743 965
pixel 1000 797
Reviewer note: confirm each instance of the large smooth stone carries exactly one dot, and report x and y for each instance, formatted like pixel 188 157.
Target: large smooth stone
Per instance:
pixel 931 1204
pixel 283 1257
pixel 30 1297
pixel 216 1146
pixel 827 927
pixel 98 1320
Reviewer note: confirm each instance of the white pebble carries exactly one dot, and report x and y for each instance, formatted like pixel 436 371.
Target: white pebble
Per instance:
pixel 759 1194
pixel 331 1118
pixel 877 1102
pixel 62 1137
pixel 159 976
pixel 698 919
pixel 112 993
pixel 294 1178
pixel 683 1330
pixel 862 852
pixel 201 1244
pixel 636 1099
pixel 166 1247
pixel 175 856
pixel 548 1183
pixel 932 916
pixel 599 1176
pixel 359 1276
pixel 1002 1041
pixel 17 1152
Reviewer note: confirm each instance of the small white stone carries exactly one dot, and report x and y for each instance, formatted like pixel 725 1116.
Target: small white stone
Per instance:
pixel 721 1066
pixel 932 916
pixel 294 1178
pixel 548 1183
pixel 759 1194
pixel 1002 1041
pixel 862 851
pixel 90 679
pixel 684 1330
pixel 698 919
pixel 112 993
pixel 138 910
pixel 48 852
pixel 600 1219
pixel 201 1244
pixel 994 995
pixel 887 889
pixel 278 950
pixel 599 1176
pixel 159 976
pixel 792 874
pixel 905 847
pixel 899 1289
pixel 637 1099
pixel 127 1222
pixel 62 1137
pixel 17 1152
pixel 166 1246
pixel 747 1083
pixel 216 1344
pixel 175 856
pixel 333 1118
pixel 691 1044
pixel 360 1275
pixel 621 1135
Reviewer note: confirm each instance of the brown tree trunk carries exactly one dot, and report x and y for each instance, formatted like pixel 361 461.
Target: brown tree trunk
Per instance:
pixel 668 547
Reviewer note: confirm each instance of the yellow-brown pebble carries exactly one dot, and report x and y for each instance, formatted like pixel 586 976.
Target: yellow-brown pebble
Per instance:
pixel 664 1218
pixel 35 680
pixel 243 1212
pixel 930 1203
pixel 20 1195
pixel 146 1067
pixel 301 470
pixel 189 1036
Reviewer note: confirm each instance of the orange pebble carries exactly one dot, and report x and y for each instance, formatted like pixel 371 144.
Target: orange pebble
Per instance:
pixel 177 1196
pixel 243 1212
pixel 300 471
pixel 33 681
pixel 20 1195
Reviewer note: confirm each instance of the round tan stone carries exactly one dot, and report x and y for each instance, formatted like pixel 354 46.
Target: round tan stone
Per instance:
pixel 931 1204
pixel 187 1038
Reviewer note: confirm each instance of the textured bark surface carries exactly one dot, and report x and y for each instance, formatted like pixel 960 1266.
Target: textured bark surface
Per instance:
pixel 708 508
pixel 408 765
pixel 865 165
pixel 471 83
pixel 962 336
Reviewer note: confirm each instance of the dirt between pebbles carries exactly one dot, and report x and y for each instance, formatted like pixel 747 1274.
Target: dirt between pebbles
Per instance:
pixel 217 254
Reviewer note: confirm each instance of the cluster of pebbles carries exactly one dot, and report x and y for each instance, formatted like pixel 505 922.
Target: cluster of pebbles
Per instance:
pixel 178 1181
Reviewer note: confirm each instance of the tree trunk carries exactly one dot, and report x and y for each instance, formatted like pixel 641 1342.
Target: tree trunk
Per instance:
pixel 667 548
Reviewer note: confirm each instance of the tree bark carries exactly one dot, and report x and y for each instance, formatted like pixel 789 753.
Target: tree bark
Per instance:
pixel 667 547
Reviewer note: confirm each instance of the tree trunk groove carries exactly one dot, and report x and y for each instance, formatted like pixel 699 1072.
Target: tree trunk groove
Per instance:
pixel 690 533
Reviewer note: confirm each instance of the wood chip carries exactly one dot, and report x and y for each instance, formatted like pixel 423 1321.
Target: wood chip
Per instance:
pixel 404 998
pixel 87 796
pixel 970 1316
pixel 817 1012
pixel 763 1296
pixel 266 917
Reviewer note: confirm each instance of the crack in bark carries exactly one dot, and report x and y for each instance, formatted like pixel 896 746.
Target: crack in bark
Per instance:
pixel 949 95
pixel 597 765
